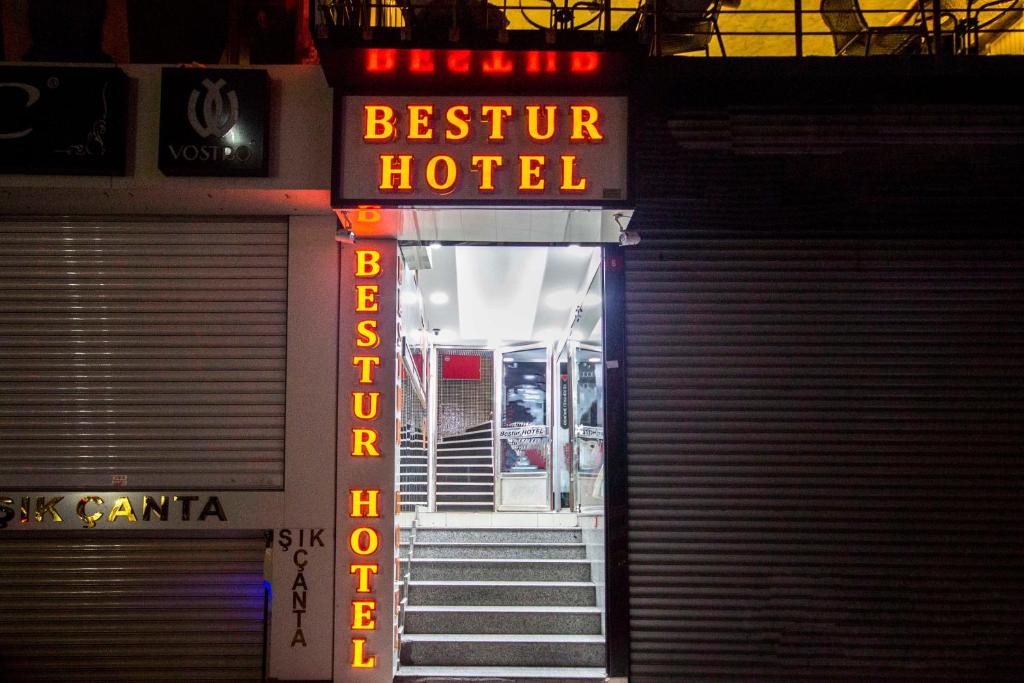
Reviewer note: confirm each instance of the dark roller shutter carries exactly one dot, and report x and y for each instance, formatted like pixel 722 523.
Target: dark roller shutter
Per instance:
pixel 826 469
pixel 90 607
pixel 150 352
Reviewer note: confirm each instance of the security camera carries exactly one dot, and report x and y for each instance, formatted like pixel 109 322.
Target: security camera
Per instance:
pixel 344 236
pixel 629 238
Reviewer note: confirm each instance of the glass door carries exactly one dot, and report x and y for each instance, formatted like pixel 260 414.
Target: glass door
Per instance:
pixel 587 380
pixel 523 443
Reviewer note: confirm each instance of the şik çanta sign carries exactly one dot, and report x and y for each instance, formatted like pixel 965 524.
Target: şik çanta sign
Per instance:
pixel 214 122
pixel 499 150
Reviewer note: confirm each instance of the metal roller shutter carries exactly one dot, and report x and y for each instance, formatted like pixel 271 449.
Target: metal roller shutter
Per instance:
pixel 825 458
pixel 131 607
pixel 152 350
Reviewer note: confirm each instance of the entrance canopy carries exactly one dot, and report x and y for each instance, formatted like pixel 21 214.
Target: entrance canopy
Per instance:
pixel 487 224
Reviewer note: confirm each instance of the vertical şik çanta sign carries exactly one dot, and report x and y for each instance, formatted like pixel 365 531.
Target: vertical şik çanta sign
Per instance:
pixel 364 579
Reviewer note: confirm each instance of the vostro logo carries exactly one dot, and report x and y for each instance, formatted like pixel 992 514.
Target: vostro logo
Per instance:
pixel 217 120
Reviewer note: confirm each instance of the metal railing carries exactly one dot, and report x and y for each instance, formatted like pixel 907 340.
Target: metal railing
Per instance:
pixel 735 28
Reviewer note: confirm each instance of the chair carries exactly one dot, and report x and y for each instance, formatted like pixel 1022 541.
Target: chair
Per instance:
pixel 679 25
pixel 852 35
pixel 686 26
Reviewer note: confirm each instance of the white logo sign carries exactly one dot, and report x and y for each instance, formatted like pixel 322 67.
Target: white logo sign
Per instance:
pixel 216 121
pixel 31 96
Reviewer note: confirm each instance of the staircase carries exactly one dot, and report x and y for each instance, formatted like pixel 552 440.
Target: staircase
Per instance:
pixel 465 470
pixel 505 603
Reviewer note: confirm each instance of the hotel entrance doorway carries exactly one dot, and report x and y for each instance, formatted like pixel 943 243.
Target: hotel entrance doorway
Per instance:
pixel 505 378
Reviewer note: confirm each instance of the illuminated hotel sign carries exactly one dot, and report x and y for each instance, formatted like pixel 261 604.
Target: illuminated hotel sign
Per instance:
pixel 364 581
pixel 495 150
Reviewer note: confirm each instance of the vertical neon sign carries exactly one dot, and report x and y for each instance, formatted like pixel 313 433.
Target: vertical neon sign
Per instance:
pixel 364 577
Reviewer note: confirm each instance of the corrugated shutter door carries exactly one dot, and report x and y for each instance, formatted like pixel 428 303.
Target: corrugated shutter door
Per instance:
pixel 155 351
pixel 89 607
pixel 825 458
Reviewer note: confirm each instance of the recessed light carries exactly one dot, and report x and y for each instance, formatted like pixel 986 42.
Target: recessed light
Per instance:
pixel 439 298
pixel 435 245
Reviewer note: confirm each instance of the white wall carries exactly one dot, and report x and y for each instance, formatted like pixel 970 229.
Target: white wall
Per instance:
pixel 300 162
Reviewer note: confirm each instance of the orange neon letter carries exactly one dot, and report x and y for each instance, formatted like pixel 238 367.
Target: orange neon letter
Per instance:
pixel 380 122
pixel 486 163
pixel 530 168
pixel 535 61
pixel 378 60
pixel 584 62
pixel 364 540
pixel 362 572
pixel 499 63
pixel 533 122
pixel 390 172
pixel 495 114
pixel 421 61
pixel 362 615
pixel 569 184
pixel 366 298
pixel 584 118
pixel 458 122
pixel 364 503
pixel 364 443
pixel 368 337
pixel 365 364
pixel 451 173
pixel 359 659
pixel 459 61
pixel 419 122
pixel 361 410
pixel 367 263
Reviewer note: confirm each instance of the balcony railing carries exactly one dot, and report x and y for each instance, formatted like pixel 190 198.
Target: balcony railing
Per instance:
pixel 715 28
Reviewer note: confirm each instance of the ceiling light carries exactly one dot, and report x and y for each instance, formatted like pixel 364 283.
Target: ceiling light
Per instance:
pixel 560 299
pixel 439 298
pixel 595 359
pixel 409 297
pixel 435 245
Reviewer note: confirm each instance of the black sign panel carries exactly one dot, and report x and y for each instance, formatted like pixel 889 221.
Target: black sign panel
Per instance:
pixel 63 120
pixel 214 122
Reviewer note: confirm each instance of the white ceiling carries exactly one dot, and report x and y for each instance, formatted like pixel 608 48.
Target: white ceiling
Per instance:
pixel 503 295
pixel 494 224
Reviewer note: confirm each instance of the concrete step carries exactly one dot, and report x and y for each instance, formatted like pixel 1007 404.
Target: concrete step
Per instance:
pixel 578 620
pixel 502 649
pixel 502 550
pixel 461 497
pixel 476 569
pixel 505 674
pixel 580 593
pixel 469 450
pixel 449 486
pixel 443 506
pixel 499 535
